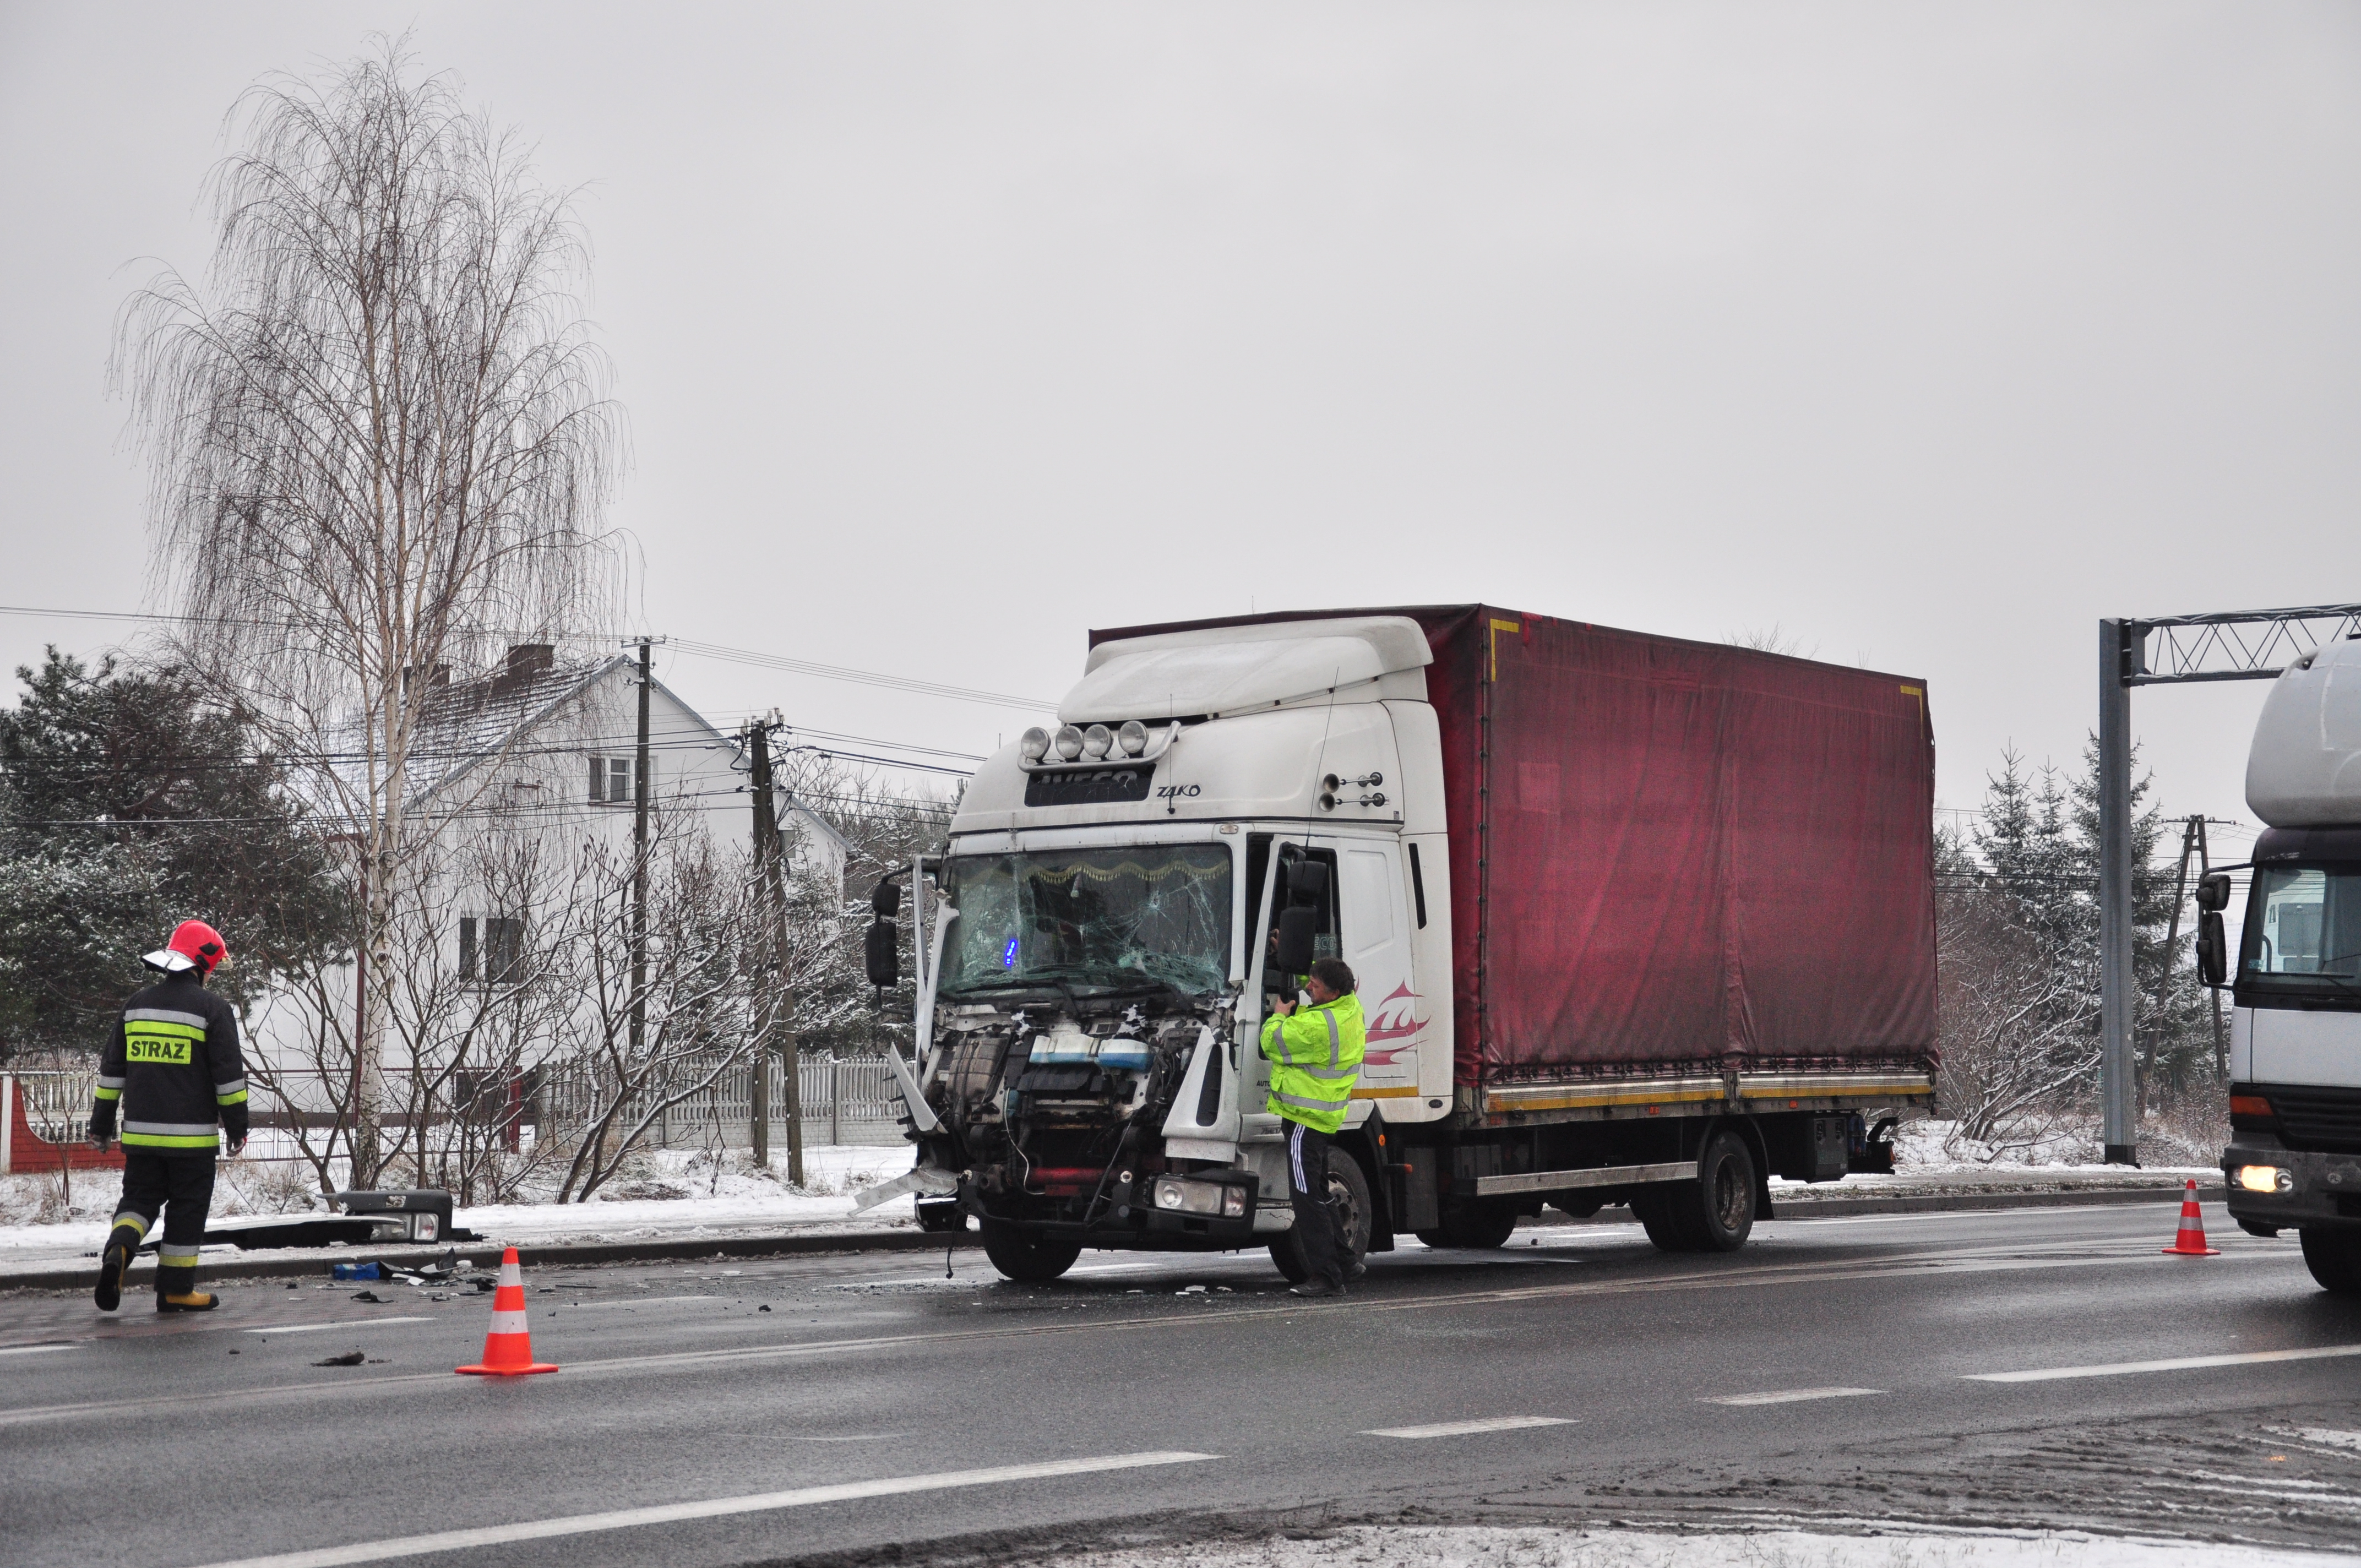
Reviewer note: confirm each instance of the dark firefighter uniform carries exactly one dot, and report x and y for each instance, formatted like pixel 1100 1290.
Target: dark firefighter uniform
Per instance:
pixel 174 1070
pixel 1315 1059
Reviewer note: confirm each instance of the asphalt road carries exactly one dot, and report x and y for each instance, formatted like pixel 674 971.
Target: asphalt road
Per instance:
pixel 1838 1367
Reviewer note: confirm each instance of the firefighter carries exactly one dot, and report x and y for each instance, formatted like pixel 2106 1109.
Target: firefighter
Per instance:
pixel 1315 1059
pixel 173 1066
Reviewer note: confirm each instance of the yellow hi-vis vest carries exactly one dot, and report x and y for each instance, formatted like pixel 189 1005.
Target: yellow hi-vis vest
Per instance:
pixel 1315 1059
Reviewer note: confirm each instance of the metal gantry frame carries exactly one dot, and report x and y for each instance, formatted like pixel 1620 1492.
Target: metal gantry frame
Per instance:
pixel 2170 650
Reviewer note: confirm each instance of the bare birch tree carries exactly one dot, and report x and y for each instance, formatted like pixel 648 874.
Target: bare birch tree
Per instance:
pixel 380 447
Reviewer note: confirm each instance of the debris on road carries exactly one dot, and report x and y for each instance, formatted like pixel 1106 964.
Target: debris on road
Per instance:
pixel 350 1358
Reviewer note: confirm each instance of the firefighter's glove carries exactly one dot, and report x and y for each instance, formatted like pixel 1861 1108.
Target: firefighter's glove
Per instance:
pixel 102 1123
pixel 234 1122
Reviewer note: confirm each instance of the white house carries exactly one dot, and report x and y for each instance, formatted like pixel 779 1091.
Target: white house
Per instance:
pixel 518 775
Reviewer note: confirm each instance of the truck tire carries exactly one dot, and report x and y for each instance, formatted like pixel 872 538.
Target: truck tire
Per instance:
pixel 1713 1213
pixel 1027 1256
pixel 1348 1189
pixel 2335 1259
pixel 1481 1226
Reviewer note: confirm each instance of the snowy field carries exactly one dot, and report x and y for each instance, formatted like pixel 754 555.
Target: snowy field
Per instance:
pixel 1497 1547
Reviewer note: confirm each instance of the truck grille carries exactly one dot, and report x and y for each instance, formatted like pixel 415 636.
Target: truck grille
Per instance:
pixel 2326 1121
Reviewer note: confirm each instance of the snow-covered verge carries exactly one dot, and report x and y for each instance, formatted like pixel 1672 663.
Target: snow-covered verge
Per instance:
pixel 666 1193
pixel 2065 1142
pixel 1445 1546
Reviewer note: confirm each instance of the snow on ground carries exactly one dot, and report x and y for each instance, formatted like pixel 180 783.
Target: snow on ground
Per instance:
pixel 1501 1546
pixel 666 1193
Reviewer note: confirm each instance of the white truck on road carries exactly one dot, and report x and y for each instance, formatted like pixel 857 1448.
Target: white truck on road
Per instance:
pixel 2294 1158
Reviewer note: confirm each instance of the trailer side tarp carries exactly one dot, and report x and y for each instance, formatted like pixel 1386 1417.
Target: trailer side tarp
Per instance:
pixel 1666 852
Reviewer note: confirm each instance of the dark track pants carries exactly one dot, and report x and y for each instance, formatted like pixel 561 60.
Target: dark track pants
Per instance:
pixel 1315 1215
pixel 181 1187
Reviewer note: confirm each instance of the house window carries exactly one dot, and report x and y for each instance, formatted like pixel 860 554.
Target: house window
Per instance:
pixel 491 949
pixel 610 779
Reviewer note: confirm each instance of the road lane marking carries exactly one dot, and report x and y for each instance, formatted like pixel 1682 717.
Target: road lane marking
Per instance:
pixel 717 1508
pixel 639 1301
pixel 1787 1396
pixel 2178 1364
pixel 32 1349
pixel 341 1323
pixel 1929 1266
pixel 1463 1428
pixel 2322 1437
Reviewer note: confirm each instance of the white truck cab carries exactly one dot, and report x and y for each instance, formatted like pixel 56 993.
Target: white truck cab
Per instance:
pixel 2294 1159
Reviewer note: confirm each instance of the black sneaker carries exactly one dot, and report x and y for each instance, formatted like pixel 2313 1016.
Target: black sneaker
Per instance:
pixel 111 1270
pixel 1317 1286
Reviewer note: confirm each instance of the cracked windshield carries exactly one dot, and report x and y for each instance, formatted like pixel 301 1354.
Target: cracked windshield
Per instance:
pixel 1142 916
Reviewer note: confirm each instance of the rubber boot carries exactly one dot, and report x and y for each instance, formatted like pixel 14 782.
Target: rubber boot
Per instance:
pixel 122 1245
pixel 176 1290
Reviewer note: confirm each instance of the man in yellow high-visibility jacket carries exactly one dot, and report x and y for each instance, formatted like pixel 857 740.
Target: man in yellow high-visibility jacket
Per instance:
pixel 1315 1059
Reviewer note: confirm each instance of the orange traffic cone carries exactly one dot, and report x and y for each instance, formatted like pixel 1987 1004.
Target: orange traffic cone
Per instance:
pixel 2189 1243
pixel 508 1349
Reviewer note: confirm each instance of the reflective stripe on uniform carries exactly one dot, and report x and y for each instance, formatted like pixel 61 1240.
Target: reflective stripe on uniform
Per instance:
pixel 154 1140
pixel 103 1093
pixel 172 1257
pixel 230 1093
pixel 165 1016
pixel 106 1082
pixel 138 1221
pixel 1330 1017
pixel 170 1129
pixel 1305 1102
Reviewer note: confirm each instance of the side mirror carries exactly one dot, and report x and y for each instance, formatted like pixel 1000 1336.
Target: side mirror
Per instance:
pixel 1297 929
pixel 1307 885
pixel 885 899
pixel 882 954
pixel 2212 953
pixel 2214 891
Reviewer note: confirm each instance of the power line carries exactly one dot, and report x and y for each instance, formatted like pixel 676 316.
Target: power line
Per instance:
pixel 697 648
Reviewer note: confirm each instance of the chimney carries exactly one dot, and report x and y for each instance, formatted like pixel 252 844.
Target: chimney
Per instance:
pixel 526 661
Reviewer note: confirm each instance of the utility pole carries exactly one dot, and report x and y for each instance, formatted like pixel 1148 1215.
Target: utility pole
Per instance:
pixel 2234 645
pixel 770 874
pixel 2189 830
pixel 639 872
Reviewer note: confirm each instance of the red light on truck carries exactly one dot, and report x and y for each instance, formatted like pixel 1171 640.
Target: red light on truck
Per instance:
pixel 2250 1106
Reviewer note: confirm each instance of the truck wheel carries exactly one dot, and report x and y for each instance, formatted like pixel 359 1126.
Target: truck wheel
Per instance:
pixel 1483 1226
pixel 2335 1259
pixel 1348 1191
pixel 1027 1256
pixel 1713 1213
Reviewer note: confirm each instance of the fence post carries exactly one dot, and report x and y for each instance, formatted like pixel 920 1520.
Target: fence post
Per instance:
pixel 7 1122
pixel 835 1101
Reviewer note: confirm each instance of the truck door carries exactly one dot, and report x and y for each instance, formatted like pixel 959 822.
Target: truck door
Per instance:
pixel 1376 942
pixel 1256 1122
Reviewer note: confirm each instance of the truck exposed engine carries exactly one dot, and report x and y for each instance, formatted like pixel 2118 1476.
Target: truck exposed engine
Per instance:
pixel 1634 920
pixel 2294 1159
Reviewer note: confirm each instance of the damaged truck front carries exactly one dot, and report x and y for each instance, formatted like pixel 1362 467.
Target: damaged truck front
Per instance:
pixel 1633 920
pixel 1078 993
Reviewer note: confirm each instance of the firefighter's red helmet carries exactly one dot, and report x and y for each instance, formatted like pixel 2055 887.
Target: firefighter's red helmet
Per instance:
pixel 194 946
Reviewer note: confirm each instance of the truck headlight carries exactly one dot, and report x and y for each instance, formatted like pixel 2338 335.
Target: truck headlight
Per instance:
pixel 1200 1197
pixel 1096 741
pixel 1070 741
pixel 1132 737
pixel 1035 744
pixel 2266 1178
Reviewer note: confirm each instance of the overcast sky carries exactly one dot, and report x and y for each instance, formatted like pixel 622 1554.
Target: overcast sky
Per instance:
pixel 1929 333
